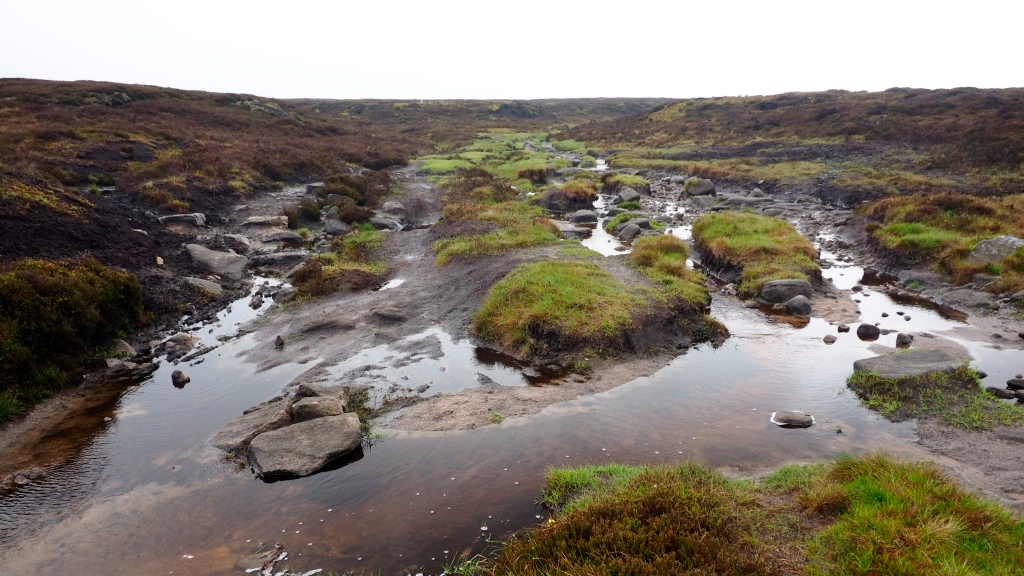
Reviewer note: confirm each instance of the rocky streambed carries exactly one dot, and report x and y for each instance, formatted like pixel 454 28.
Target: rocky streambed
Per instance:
pixel 146 486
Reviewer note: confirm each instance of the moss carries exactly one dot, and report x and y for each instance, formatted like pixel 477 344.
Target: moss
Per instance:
pixel 955 397
pixel 765 248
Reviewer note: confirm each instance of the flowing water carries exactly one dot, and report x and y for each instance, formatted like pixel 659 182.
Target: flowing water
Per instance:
pixel 145 494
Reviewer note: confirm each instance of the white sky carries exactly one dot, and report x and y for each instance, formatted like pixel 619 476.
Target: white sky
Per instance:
pixel 516 49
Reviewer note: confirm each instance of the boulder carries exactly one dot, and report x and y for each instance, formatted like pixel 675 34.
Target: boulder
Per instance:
pixel 225 264
pixel 1001 392
pixel 1015 383
pixel 798 306
pixel 270 221
pixel 613 211
pixel 678 179
pixel 336 227
pixel 195 219
pixel 994 250
pixel 781 291
pixel 315 407
pixel 583 217
pixel 285 237
pixel 238 242
pixel 644 223
pixel 340 393
pixel 569 231
pixel 843 328
pixel 908 364
pixel 903 340
pixel 963 299
pixel 629 233
pixel 236 435
pixel 385 224
pixel 829 339
pixel 868 331
pixel 393 207
pixel 205 285
pixel 302 449
pixel 792 419
pixel 280 261
pixel 756 193
pixel 627 195
pixel 702 202
pixel 122 348
pixel 699 187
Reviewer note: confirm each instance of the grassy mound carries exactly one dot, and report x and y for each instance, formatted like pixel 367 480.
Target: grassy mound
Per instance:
pixel 945 227
pixel 956 397
pixel 614 182
pixel 557 305
pixel 51 315
pixel 519 226
pixel 869 515
pixel 350 265
pixel 765 248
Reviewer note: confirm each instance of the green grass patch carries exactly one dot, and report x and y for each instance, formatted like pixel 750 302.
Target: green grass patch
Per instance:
pixel 520 225
pixel 560 304
pixel 614 182
pixel 574 249
pixel 614 221
pixel 765 248
pixel 350 265
pixel 568 145
pixel 631 205
pixel 580 188
pixel 955 397
pixel 444 165
pixel 854 516
pixel 945 227
pixel 663 260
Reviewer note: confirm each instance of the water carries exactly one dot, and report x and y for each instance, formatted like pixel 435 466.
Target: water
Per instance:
pixel 146 495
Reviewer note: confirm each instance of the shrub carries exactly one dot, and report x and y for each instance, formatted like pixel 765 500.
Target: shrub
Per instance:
pixel 52 313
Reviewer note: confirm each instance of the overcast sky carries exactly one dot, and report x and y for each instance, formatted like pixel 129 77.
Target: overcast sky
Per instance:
pixel 516 49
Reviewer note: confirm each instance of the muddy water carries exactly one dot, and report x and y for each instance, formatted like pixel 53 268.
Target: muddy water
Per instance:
pixel 146 495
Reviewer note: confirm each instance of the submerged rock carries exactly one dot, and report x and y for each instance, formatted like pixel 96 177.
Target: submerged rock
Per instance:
pixel 302 449
pixel 844 328
pixel 1001 392
pixel 793 419
pixel 908 364
pixel 179 379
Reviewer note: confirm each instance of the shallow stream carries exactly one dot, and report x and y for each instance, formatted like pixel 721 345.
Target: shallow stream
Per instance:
pixel 145 494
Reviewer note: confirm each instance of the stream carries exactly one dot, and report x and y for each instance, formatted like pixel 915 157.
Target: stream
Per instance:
pixel 145 494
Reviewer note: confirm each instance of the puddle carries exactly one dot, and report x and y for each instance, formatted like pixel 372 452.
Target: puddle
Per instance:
pixel 431 363
pixel 393 283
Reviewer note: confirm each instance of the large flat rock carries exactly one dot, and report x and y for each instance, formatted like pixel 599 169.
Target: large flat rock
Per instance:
pixel 236 434
pixel 781 291
pixel 302 449
pixel 226 264
pixel 908 364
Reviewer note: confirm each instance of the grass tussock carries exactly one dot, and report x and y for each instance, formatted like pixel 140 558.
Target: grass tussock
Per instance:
pixel 613 182
pixel 580 188
pixel 350 265
pixel 955 397
pixel 519 226
pixel 614 221
pixel 765 248
pixel 557 305
pixel 663 260
pixel 945 227
pixel 52 314
pixel 855 516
